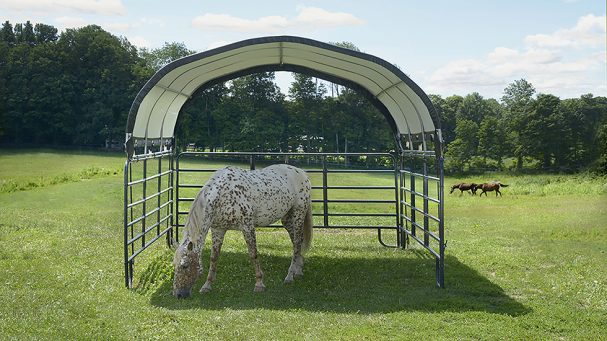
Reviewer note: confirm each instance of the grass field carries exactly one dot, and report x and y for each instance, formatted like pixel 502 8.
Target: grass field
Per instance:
pixel 529 265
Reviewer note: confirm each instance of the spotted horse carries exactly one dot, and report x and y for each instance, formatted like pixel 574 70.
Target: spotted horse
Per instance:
pixel 237 199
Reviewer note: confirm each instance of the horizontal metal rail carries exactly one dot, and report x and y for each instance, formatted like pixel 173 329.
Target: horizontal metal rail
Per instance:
pixel 356 214
pixel 391 171
pixel 419 175
pixel 421 195
pixel 150 242
pixel 151 155
pixel 353 187
pixel 153 226
pixel 421 211
pixel 155 195
pixel 430 233
pixel 155 210
pixel 313 187
pixel 337 214
pixel 194 170
pixel 362 227
pixel 155 176
pixel 421 242
pixel 285 154
pixel 335 201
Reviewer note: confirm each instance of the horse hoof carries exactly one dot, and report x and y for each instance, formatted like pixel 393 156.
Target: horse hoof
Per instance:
pixel 259 288
pixel 288 280
pixel 205 290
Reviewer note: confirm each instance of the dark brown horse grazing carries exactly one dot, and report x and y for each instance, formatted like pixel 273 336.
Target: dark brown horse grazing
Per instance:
pixel 465 187
pixel 491 186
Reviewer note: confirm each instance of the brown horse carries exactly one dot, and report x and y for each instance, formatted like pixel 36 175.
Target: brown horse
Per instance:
pixel 465 187
pixel 491 186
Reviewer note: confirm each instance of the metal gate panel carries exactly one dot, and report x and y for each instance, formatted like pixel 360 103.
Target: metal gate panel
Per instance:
pixel 148 204
pixel 329 194
pixel 422 206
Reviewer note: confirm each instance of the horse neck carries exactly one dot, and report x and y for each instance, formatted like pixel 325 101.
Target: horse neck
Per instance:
pixel 197 225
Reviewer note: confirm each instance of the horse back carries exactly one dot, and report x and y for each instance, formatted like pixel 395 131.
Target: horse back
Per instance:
pixel 238 197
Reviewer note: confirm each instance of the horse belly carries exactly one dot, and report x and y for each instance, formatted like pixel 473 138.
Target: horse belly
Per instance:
pixel 272 207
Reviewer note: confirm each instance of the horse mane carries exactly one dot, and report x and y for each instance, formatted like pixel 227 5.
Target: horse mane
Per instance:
pixel 198 221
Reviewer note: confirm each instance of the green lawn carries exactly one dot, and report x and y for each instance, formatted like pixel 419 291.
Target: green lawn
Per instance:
pixel 529 265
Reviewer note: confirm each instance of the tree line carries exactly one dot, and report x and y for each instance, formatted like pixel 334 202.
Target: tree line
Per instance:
pixel 75 88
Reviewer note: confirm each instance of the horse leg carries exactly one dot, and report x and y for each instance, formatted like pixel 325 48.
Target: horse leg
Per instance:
pixel 249 237
pixel 293 223
pixel 497 190
pixel 217 238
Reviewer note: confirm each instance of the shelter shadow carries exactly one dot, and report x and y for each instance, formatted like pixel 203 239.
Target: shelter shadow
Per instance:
pixel 344 285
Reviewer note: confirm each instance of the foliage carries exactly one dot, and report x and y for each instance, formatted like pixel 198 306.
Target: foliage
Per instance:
pixel 75 88
pixel 550 133
pixel 158 58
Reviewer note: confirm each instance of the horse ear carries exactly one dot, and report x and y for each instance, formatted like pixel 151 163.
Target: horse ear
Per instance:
pixel 190 246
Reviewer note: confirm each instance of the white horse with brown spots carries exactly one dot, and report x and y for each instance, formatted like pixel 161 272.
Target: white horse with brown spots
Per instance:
pixel 236 199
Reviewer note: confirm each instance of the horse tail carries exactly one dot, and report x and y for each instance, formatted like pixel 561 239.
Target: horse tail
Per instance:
pixel 503 185
pixel 307 231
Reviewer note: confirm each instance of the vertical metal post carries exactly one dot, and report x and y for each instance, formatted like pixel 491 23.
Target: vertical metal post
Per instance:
pixel 403 198
pixel 440 266
pixel 127 277
pixel 325 193
pixel 396 165
pixel 426 206
pixel 131 209
pixel 176 202
pixel 144 204
pixel 170 198
pixel 413 194
pixel 252 162
pixel 158 201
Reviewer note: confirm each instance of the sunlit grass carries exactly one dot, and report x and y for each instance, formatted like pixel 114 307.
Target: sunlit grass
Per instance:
pixel 528 265
pixel 23 170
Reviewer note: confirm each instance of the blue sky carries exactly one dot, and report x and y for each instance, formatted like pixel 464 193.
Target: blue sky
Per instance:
pixel 447 47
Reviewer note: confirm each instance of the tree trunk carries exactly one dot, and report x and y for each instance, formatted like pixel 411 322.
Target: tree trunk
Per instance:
pixel 519 162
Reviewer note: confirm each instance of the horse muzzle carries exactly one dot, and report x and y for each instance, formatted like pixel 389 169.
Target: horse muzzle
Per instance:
pixel 182 293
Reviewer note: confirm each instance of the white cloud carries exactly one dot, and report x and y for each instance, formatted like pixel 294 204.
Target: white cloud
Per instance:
pixel 70 22
pixel 307 18
pixel 218 43
pixel 546 61
pixel 589 32
pixel 320 17
pixel 230 23
pixel 104 7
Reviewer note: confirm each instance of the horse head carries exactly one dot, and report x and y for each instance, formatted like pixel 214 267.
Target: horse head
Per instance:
pixel 474 187
pixel 454 187
pixel 187 269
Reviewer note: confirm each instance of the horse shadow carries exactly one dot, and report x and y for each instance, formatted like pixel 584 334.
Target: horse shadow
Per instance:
pixel 346 285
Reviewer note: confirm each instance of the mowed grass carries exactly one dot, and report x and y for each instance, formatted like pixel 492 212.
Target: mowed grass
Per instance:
pixel 528 265
pixel 22 170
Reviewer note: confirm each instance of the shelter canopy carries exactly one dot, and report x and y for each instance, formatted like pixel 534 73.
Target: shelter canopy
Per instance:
pixel 155 110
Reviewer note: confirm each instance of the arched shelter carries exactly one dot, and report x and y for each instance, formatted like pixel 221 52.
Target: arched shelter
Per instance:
pixel 149 213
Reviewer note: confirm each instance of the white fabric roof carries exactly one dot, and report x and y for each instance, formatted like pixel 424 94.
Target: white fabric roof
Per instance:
pixel 154 112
